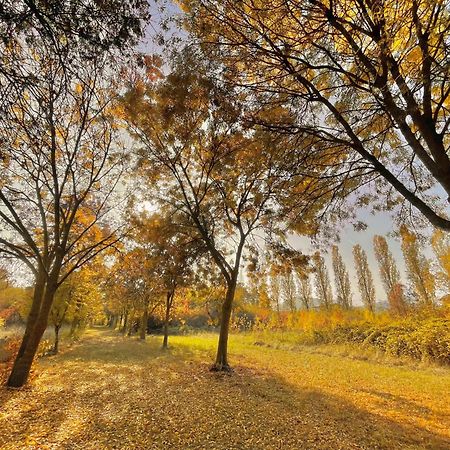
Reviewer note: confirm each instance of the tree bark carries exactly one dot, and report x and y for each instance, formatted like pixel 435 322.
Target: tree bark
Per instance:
pixel 144 322
pixel 114 320
pixel 125 323
pixel 169 302
pixel 221 363
pixel 22 364
pixel 56 344
pixel 39 288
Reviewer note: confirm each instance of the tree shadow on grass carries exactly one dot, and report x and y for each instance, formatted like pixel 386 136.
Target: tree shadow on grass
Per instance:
pixel 134 396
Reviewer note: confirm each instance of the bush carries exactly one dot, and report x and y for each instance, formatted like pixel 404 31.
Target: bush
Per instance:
pixel 425 336
pixel 427 340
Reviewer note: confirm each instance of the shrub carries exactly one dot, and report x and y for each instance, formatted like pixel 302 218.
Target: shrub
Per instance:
pixel 425 336
pixel 427 340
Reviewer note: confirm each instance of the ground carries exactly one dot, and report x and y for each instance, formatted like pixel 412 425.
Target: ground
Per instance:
pixel 110 392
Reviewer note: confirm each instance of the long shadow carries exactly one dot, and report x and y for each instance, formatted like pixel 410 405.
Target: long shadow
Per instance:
pixel 124 350
pixel 170 400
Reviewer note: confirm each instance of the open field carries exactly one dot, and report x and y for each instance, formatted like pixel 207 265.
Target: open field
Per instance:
pixel 110 392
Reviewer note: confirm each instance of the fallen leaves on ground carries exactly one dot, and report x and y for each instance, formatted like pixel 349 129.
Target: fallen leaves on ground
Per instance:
pixel 111 392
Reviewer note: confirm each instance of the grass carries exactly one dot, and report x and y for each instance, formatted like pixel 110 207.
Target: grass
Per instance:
pixel 110 392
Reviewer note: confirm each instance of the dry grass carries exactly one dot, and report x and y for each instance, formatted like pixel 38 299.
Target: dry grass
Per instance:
pixel 111 392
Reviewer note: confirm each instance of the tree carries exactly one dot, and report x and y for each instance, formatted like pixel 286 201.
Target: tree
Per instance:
pixel 275 288
pixel 365 279
pixel 440 242
pixel 68 32
pixel 305 291
pixel 323 285
pixel 136 292
pixel 390 276
pixel 342 280
pixel 61 302
pixel 258 282
pixel 203 161
pixel 286 264
pixel 173 247
pixel 63 161
pixel 418 267
pixel 365 79
pixel 289 288
pixel 95 27
pixel 207 291
pixel 78 300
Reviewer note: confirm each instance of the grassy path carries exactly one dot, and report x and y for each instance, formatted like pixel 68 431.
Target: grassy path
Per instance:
pixel 111 392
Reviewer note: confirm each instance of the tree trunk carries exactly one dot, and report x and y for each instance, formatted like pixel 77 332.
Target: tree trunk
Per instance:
pixel 39 288
pixel 144 322
pixel 22 364
pixel 221 363
pixel 143 325
pixel 125 323
pixel 169 301
pixel 56 344
pixel 131 323
pixel 113 322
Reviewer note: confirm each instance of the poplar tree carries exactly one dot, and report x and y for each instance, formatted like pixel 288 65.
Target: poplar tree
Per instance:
pixel 342 279
pixel 322 281
pixel 418 267
pixel 390 276
pixel 365 279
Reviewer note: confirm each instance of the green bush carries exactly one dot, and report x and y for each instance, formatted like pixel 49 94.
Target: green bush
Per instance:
pixel 427 340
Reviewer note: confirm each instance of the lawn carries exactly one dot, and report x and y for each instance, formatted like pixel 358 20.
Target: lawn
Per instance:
pixel 110 392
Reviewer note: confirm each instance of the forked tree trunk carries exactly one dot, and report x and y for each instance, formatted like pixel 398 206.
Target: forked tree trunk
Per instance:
pixel 221 363
pixel 169 302
pixel 22 364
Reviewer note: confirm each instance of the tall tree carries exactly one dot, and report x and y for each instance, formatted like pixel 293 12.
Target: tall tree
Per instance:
pixel 205 165
pixel 365 279
pixel 323 286
pixel 440 242
pixel 418 267
pixel 367 79
pixel 275 288
pixel 286 264
pixel 258 282
pixel 289 287
pixel 305 291
pixel 390 276
pixel 341 278
pixel 62 158
pixel 173 247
